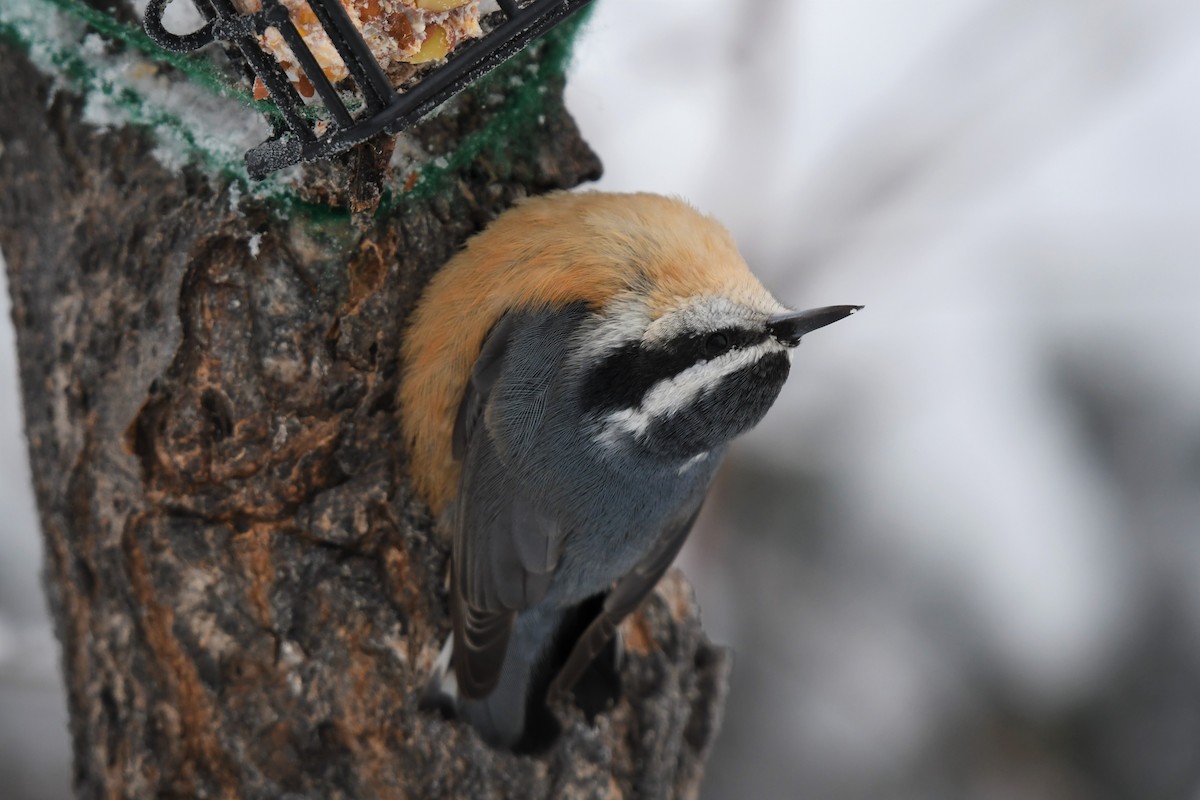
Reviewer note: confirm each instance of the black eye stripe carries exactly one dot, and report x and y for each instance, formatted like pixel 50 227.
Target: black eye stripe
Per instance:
pixel 622 379
pixel 736 337
pixel 716 344
pixel 624 376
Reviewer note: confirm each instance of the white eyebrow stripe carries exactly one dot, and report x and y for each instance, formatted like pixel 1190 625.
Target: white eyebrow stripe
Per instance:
pixel 677 392
pixel 671 395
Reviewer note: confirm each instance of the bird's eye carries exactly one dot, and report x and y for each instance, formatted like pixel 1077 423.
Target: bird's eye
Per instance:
pixel 716 344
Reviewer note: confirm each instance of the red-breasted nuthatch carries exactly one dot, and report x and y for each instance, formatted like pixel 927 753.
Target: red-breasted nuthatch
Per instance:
pixel 571 381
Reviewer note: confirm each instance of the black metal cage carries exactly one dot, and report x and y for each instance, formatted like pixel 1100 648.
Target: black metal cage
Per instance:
pixel 301 135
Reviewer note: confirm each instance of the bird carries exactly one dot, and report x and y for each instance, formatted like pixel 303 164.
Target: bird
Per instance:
pixel 571 380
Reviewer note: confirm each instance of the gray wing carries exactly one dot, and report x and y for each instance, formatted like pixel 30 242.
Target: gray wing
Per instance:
pixel 506 544
pixel 623 600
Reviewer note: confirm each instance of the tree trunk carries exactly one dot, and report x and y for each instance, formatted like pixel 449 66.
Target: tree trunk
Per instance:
pixel 247 595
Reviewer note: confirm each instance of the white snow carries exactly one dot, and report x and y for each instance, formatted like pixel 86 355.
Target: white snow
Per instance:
pixel 189 121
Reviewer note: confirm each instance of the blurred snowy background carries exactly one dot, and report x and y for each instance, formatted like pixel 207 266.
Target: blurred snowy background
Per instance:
pixel 961 557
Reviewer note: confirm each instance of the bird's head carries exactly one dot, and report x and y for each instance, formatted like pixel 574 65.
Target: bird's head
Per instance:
pixel 692 378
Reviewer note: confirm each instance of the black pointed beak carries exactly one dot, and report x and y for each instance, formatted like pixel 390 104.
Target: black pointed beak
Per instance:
pixel 788 328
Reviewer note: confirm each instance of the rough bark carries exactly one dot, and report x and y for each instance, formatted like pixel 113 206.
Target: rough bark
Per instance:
pixel 247 596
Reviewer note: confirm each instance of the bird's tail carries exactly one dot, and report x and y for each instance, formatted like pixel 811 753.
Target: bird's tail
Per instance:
pixel 514 714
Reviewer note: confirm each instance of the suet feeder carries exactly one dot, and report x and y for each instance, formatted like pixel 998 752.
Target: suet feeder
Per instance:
pixel 331 90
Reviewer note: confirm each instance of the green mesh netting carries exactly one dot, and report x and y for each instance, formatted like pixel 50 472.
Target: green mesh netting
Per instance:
pixel 67 37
